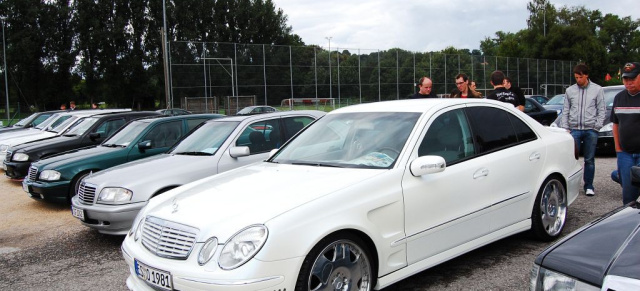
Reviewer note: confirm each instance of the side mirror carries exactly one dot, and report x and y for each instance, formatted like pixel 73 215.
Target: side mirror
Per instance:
pixel 94 135
pixel 236 152
pixel 427 165
pixel 144 145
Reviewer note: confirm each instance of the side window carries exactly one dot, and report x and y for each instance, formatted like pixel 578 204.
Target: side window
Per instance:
pixel 40 119
pixel 492 128
pixel 165 134
pixel 294 124
pixel 529 107
pixel 261 136
pixel 192 123
pixel 523 131
pixel 449 137
pixel 108 127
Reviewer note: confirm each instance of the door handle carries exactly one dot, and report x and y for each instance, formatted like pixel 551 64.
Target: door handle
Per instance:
pixel 534 156
pixel 481 173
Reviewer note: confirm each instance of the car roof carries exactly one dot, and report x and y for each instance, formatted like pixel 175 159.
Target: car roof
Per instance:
pixel 414 105
pixel 153 118
pixel 316 113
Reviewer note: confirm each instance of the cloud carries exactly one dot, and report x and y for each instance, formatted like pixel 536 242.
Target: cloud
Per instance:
pixel 429 25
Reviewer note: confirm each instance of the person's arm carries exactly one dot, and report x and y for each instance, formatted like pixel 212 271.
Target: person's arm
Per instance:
pixel 616 138
pixel 566 107
pixel 600 110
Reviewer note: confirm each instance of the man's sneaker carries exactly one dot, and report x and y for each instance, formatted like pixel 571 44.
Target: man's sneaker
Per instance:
pixel 590 192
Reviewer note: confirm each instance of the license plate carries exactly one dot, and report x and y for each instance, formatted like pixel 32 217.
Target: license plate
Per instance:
pixel 25 187
pixel 78 213
pixel 153 276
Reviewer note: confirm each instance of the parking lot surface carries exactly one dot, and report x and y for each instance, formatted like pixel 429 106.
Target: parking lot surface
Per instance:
pixel 42 247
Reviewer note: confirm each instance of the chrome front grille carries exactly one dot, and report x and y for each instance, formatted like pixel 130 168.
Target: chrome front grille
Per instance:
pixel 33 173
pixel 86 192
pixel 168 239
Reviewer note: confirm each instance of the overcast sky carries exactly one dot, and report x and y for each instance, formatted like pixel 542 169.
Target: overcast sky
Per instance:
pixel 420 25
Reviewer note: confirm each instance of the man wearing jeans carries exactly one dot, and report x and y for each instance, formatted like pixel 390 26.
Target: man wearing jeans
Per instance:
pixel 626 121
pixel 583 115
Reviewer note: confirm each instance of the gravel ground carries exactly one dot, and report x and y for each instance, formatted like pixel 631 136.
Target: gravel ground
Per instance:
pixel 42 247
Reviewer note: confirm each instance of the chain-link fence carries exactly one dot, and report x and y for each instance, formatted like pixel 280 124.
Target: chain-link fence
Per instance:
pixel 274 73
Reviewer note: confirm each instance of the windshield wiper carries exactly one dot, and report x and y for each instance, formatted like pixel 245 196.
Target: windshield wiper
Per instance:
pixel 194 154
pixel 112 145
pixel 315 164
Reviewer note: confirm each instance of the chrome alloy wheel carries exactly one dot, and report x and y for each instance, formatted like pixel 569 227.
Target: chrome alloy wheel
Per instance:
pixel 553 207
pixel 342 265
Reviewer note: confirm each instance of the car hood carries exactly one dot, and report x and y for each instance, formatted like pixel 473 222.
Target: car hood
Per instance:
pixel 72 156
pixel 167 170
pixel 228 202
pixel 44 143
pixel 607 246
pixel 27 138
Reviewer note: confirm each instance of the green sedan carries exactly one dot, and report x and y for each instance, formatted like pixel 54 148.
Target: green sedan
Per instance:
pixel 57 178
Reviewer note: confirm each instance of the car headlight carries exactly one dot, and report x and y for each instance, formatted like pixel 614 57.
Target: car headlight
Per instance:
pixel 50 175
pixel 112 195
pixel 607 128
pixel 208 250
pixel 20 157
pixel 242 246
pixel 4 148
pixel 543 279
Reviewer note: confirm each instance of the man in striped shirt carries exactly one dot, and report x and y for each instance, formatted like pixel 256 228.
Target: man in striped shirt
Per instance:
pixel 626 121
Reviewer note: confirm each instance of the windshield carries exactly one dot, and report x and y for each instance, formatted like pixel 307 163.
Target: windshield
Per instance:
pixel 26 120
pixel 556 100
pixel 126 135
pixel 245 110
pixel 610 94
pixel 48 121
pixel 370 140
pixel 206 139
pixel 62 123
pixel 82 126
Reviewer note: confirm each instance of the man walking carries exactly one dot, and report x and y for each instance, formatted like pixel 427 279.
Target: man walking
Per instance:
pixel 583 115
pixel 626 120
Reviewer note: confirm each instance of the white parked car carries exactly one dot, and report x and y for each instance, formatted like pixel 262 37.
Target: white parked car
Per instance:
pixel 362 198
pixel 109 200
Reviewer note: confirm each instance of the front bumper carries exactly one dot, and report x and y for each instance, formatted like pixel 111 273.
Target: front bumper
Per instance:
pixel 16 170
pixel 605 145
pixel 51 191
pixel 108 219
pixel 187 274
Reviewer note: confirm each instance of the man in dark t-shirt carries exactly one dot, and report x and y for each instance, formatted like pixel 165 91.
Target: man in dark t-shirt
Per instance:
pixel 625 117
pixel 425 86
pixel 501 93
pixel 516 90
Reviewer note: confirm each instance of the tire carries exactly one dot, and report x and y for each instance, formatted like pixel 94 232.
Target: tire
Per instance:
pixel 327 268
pixel 549 212
pixel 75 184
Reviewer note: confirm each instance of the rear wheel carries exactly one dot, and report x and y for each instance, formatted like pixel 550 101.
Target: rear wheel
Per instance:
pixel 338 262
pixel 550 210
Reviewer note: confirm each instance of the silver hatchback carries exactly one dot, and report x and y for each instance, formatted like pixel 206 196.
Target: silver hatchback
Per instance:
pixel 109 200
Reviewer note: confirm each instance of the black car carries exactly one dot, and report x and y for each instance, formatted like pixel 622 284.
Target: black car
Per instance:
pixel 538 112
pixel 541 99
pixel 602 255
pixel 29 121
pixel 88 131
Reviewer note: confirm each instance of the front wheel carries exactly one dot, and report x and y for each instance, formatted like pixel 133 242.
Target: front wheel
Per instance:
pixel 338 262
pixel 550 210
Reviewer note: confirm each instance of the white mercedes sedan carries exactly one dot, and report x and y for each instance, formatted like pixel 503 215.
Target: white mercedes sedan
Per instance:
pixel 364 197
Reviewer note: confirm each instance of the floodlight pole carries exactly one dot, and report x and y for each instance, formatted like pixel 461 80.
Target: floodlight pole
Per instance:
pixel 329 39
pixel 4 57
